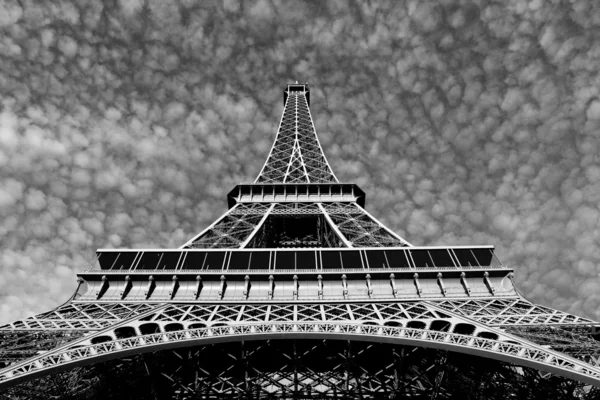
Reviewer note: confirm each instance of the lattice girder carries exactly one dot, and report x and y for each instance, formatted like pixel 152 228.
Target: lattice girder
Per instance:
pixel 580 342
pixel 352 224
pixel 60 327
pixel 569 334
pixel 301 369
pixel 233 229
pixel 511 312
pixel 82 316
pixel 361 229
pixel 296 155
pixel 181 325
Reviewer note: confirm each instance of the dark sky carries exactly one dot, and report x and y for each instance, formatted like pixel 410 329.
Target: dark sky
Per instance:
pixel 125 123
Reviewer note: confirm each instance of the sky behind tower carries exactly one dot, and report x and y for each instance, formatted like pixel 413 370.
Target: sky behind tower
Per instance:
pixel 125 123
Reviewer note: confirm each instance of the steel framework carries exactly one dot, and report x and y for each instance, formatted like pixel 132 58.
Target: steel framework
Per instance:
pixel 298 292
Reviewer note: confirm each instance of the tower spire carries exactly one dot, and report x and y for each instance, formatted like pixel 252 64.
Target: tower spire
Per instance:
pixel 296 155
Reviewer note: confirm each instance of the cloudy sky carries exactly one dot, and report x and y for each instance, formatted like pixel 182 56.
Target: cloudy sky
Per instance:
pixel 125 123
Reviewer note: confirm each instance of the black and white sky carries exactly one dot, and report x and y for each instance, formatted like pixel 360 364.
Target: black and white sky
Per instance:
pixel 125 123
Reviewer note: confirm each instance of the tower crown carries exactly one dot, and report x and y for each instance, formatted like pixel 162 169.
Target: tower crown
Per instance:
pixel 294 88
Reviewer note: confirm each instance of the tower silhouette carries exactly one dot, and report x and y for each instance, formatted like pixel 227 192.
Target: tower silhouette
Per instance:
pixel 298 292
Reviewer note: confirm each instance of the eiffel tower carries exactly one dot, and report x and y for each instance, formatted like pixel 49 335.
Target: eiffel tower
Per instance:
pixel 298 292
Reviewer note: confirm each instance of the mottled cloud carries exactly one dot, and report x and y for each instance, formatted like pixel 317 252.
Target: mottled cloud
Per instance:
pixel 124 124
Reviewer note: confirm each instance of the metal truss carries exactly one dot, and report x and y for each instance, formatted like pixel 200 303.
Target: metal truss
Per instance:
pixel 99 315
pixel 300 369
pixel 233 229
pixel 296 209
pixel 421 324
pixel 327 369
pixel 512 351
pixel 50 330
pixel 578 337
pixel 353 226
pixel 378 313
pixel 21 345
pixel 511 312
pixel 581 342
pixel 86 316
pixel 296 155
pixel 361 229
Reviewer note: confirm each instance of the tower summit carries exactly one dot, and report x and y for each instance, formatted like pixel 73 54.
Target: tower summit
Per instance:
pixel 296 291
pixel 296 155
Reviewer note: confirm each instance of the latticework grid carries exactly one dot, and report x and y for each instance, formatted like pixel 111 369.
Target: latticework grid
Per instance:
pixel 296 155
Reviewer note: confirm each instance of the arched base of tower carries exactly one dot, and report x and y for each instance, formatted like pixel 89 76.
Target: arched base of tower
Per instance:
pixel 302 369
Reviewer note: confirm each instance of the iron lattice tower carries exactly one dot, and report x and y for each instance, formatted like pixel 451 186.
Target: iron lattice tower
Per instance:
pixel 296 292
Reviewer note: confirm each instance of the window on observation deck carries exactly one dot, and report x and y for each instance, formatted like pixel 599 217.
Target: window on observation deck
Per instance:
pixel 118 260
pixel 331 259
